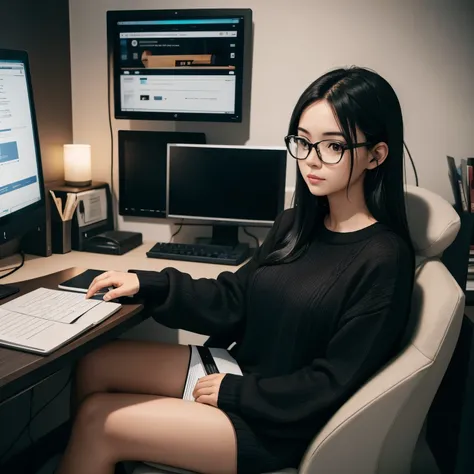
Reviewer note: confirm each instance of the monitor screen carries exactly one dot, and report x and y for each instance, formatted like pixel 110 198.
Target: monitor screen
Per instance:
pixel 226 183
pixel 142 170
pixel 178 64
pixel 20 172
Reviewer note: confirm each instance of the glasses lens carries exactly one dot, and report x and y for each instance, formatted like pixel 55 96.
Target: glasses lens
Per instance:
pixel 331 151
pixel 298 147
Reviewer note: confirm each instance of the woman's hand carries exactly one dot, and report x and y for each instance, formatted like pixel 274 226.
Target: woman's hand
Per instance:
pixel 124 284
pixel 207 389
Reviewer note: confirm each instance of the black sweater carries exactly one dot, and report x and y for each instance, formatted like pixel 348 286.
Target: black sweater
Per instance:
pixel 309 333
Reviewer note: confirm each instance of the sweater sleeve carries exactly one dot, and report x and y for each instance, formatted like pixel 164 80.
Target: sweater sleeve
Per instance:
pixel 206 306
pixel 366 335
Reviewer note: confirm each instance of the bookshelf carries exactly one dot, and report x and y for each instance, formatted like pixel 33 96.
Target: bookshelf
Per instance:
pixel 450 420
pixel 456 256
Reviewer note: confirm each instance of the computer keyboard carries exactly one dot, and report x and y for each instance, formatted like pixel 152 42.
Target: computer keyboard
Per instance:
pixel 225 255
pixel 52 305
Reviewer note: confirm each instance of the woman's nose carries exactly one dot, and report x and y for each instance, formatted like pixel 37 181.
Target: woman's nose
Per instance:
pixel 313 159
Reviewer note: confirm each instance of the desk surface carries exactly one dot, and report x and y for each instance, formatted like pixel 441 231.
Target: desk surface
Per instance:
pixel 21 370
pixel 135 259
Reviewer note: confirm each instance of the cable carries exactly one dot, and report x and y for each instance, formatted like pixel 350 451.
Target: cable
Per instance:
pixel 25 428
pixel 254 237
pixel 177 232
pixel 412 164
pixel 11 271
pixel 111 134
pixel 8 269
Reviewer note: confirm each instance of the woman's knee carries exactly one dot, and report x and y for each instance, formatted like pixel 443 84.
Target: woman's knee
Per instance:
pixel 90 425
pixel 90 420
pixel 92 412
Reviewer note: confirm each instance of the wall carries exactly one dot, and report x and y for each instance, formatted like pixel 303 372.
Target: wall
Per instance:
pixel 42 28
pixel 421 46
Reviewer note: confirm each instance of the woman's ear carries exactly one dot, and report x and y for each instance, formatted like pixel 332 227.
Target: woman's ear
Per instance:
pixel 377 155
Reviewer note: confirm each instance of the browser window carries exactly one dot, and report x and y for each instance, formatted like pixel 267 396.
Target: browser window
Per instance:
pixel 180 66
pixel 19 185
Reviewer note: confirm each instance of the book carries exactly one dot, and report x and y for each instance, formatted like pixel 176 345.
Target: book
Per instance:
pixel 460 199
pixel 470 177
pixel 465 183
pixel 81 283
pixel 222 360
pixel 67 211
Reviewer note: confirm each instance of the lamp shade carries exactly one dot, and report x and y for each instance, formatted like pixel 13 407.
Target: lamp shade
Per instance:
pixel 77 165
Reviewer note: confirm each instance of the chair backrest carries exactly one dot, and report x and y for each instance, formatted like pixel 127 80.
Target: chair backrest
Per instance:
pixel 376 430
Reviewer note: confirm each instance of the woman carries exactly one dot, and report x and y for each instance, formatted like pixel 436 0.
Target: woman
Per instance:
pixel 320 307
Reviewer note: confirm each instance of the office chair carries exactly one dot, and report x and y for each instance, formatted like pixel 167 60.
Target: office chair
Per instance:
pixel 376 430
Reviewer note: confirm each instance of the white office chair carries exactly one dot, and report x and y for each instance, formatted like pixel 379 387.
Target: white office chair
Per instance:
pixel 376 430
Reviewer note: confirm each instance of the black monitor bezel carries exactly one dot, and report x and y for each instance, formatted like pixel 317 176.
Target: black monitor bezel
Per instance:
pixel 113 16
pixel 223 221
pixel 124 135
pixel 18 223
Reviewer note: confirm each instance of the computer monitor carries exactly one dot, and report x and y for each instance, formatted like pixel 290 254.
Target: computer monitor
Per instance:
pixel 226 186
pixel 142 170
pixel 179 64
pixel 22 198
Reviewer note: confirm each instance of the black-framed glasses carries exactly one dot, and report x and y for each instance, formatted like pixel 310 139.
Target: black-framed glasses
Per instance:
pixel 329 151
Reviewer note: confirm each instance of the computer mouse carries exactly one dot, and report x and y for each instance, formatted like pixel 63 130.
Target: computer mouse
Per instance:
pixel 121 299
pixel 100 297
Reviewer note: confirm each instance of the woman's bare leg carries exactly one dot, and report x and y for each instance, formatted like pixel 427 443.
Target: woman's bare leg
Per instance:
pixel 111 428
pixel 134 367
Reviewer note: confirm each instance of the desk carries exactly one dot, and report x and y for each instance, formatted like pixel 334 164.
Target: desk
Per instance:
pixel 39 266
pixel 20 370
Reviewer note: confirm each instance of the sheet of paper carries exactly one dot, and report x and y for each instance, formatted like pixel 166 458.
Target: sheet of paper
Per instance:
pixel 71 203
pixel 94 207
pixel 58 203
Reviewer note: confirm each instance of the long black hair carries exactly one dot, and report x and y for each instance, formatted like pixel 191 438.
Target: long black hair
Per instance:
pixel 360 99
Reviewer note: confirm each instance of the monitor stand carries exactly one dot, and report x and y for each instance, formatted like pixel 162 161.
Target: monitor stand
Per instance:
pixel 6 250
pixel 223 236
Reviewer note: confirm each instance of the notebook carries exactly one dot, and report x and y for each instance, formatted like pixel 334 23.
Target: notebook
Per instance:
pixel 222 362
pixel 80 283
pixel 44 319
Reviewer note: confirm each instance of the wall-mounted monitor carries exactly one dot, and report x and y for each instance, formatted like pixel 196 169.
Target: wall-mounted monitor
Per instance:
pixel 178 64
